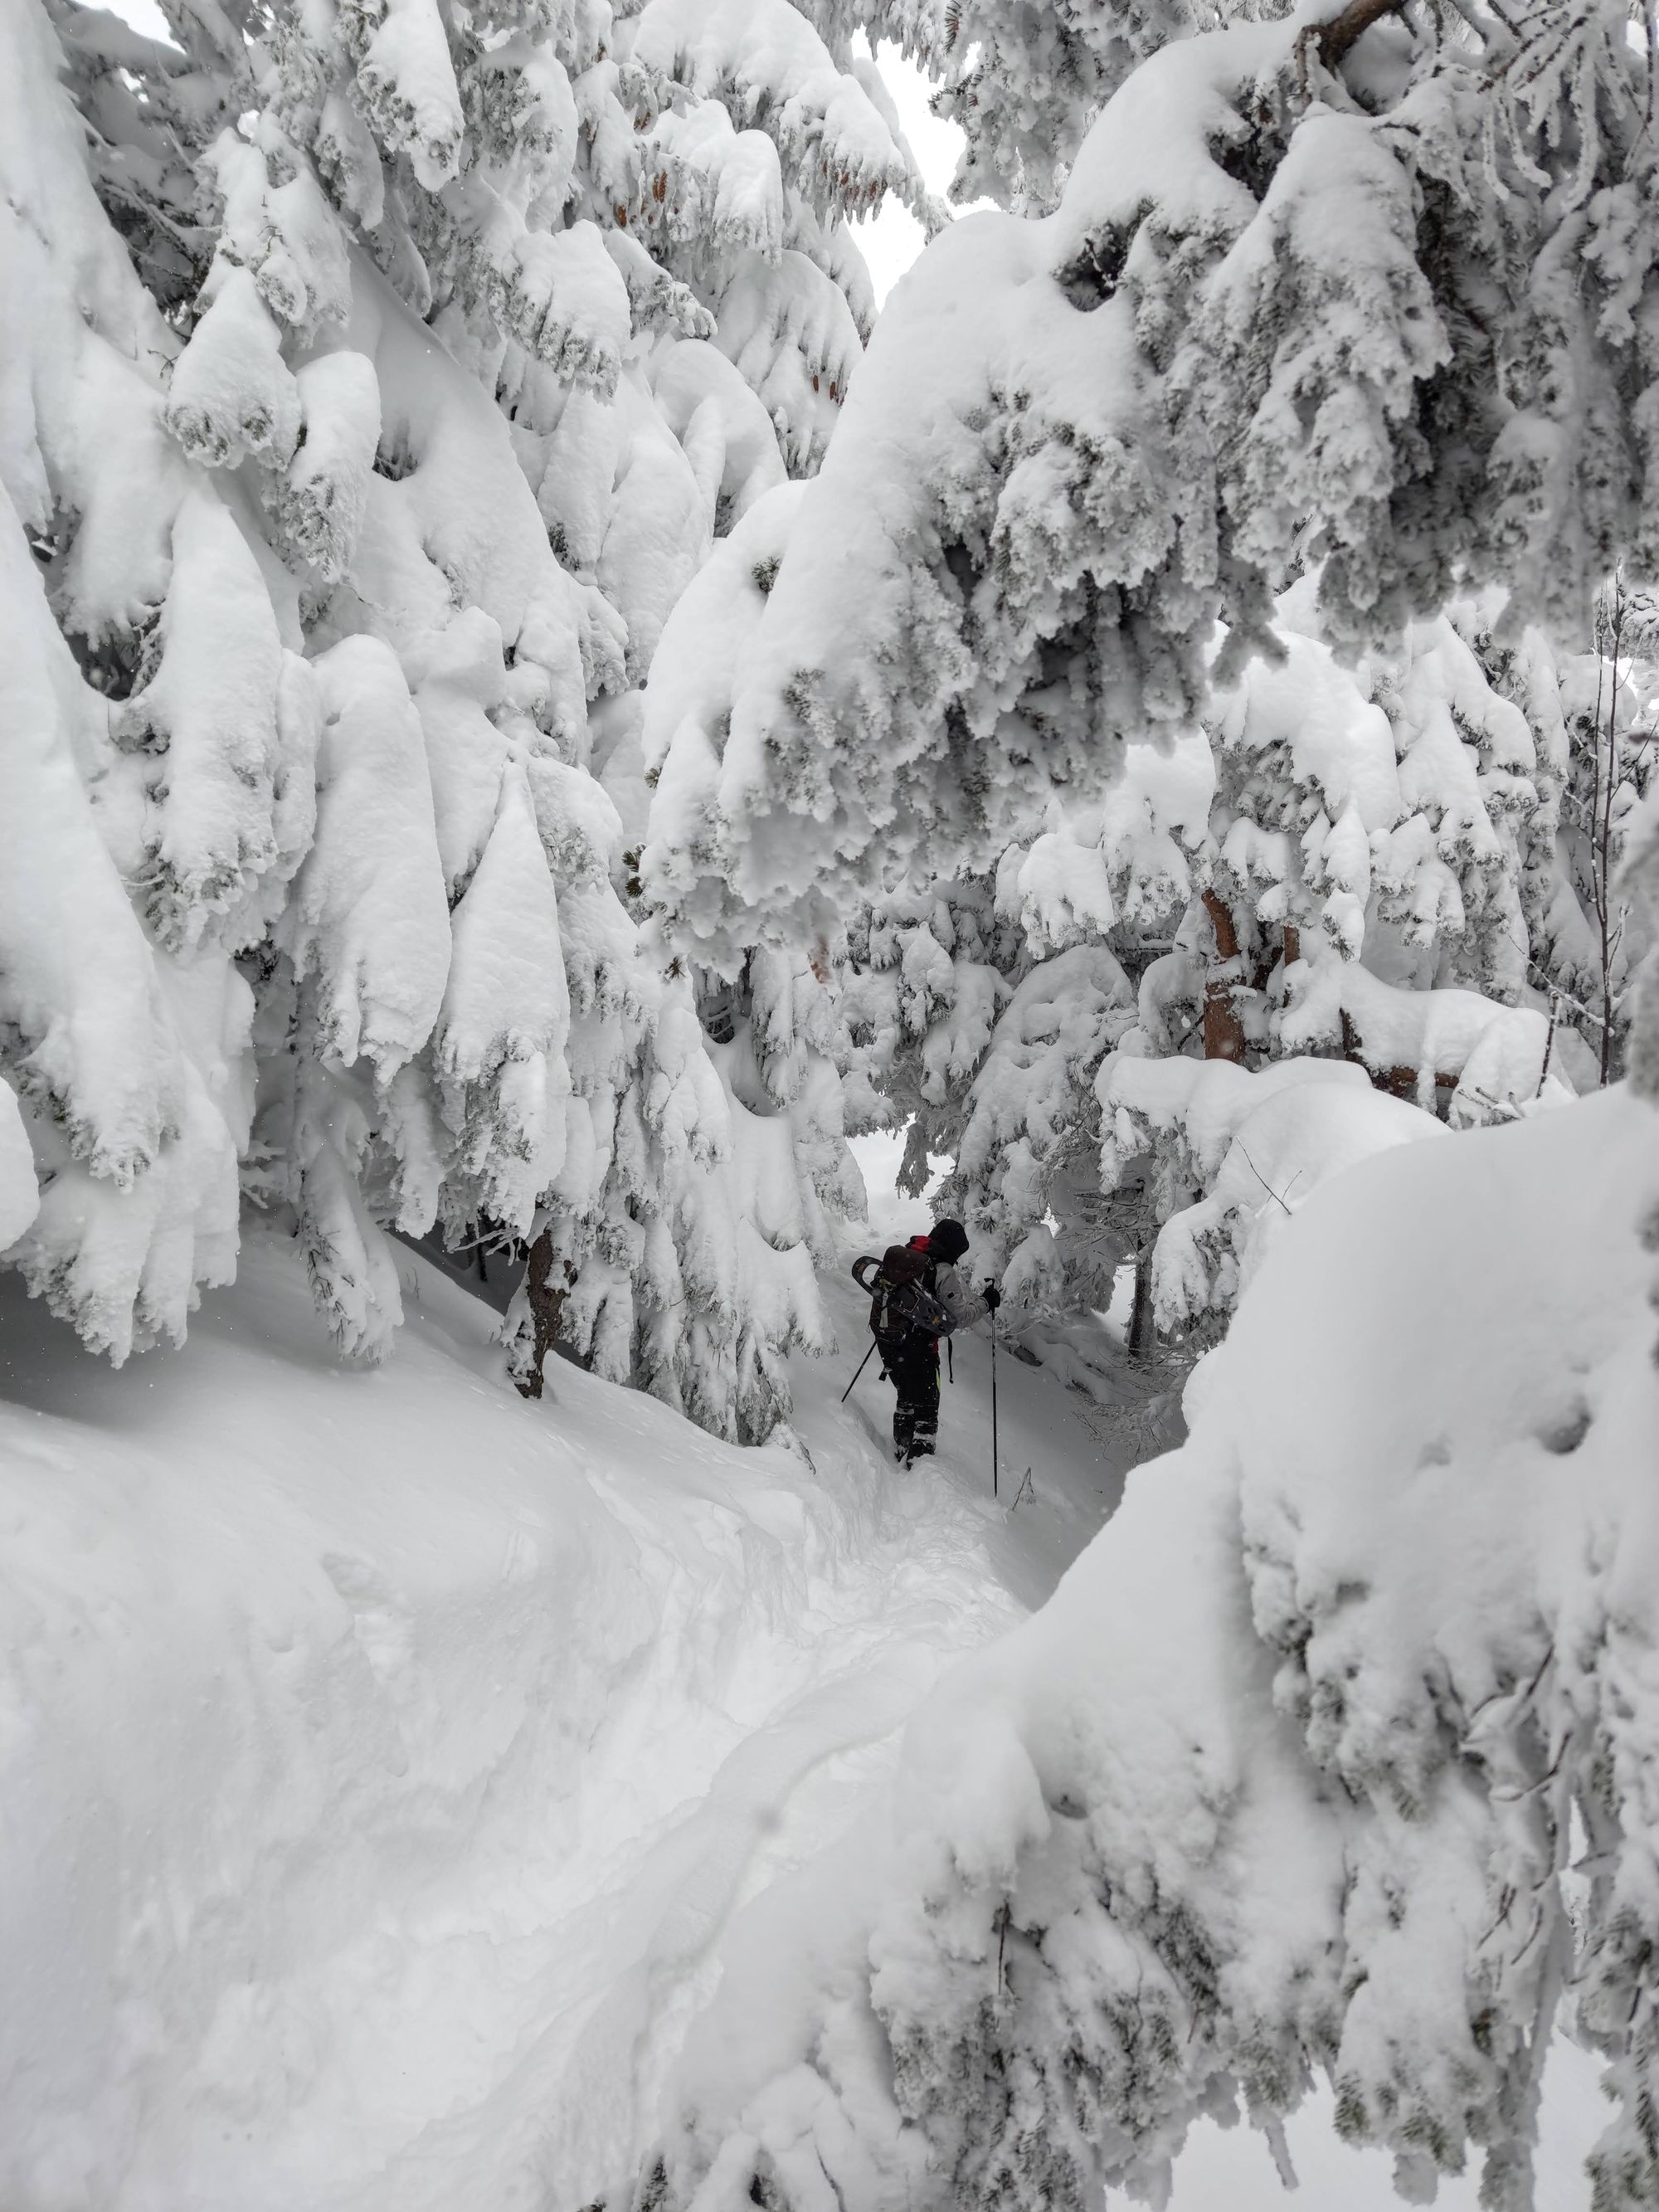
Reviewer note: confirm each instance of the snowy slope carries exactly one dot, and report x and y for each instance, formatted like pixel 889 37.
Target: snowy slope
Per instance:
pixel 382 1755
pixel 384 1761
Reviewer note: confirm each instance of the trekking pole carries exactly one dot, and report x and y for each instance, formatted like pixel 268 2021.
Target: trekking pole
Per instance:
pixel 994 1405
pixel 863 1363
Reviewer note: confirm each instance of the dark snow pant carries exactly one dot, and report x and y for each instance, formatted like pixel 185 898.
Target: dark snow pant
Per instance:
pixel 912 1366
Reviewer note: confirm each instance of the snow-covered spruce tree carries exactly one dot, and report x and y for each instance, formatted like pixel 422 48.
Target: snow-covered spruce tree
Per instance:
pixel 1023 82
pixel 1347 861
pixel 1338 857
pixel 456 1018
pixel 1367 845
pixel 723 154
pixel 749 149
pixel 1592 717
pixel 160 733
pixel 1386 855
pixel 1298 304
pixel 970 1027
pixel 922 985
pixel 773 1027
pixel 1335 857
pixel 927 975
pixel 1373 845
pixel 946 1022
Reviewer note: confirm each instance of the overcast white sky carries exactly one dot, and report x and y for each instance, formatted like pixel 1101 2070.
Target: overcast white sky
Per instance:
pixel 893 241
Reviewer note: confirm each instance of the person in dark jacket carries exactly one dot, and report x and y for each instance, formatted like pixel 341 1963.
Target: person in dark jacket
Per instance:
pixel 911 1360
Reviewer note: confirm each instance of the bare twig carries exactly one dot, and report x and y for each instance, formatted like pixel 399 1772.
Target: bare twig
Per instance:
pixel 1263 1181
pixel 1549 1043
pixel 1507 1107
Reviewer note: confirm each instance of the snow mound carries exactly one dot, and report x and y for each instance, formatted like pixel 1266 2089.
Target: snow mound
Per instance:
pixel 1312 1814
pixel 1254 1144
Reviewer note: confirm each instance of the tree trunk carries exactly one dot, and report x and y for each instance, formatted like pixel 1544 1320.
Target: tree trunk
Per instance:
pixel 1398 1082
pixel 1224 1025
pixel 1141 1313
pixel 546 1305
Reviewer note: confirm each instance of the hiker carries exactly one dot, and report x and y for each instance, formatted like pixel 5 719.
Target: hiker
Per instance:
pixel 909 1352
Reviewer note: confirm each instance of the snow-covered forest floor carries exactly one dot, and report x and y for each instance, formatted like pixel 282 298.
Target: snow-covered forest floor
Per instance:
pixel 384 1757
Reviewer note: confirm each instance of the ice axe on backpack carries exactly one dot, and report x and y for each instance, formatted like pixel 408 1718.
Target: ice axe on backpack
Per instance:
pixel 867 1260
pixel 898 1300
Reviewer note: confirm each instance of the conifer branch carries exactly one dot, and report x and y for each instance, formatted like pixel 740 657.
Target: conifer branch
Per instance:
pixel 1334 40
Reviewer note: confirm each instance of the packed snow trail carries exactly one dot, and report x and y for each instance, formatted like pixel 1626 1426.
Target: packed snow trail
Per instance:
pixel 383 1756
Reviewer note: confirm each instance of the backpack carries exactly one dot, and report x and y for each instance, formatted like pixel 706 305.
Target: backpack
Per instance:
pixel 900 1300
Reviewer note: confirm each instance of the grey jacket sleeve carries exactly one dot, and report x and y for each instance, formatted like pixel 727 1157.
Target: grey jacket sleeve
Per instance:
pixel 957 1300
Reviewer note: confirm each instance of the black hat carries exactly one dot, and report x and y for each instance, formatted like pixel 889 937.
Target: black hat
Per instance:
pixel 949 1240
